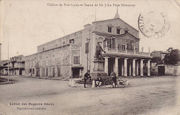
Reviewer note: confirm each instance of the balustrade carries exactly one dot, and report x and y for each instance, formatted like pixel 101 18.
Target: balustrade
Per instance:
pixel 130 52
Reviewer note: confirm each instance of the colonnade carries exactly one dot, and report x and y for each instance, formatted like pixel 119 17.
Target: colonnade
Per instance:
pixel 128 66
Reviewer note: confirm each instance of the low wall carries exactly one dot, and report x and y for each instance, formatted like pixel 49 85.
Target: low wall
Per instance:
pixel 172 70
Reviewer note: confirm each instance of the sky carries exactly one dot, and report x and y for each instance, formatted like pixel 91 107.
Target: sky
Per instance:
pixel 25 24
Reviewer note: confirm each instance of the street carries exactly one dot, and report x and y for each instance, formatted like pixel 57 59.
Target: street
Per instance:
pixel 155 95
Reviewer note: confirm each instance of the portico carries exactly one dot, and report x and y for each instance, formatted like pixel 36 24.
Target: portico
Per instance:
pixel 127 66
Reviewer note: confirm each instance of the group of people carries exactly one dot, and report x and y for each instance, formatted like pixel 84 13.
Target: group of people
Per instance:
pixel 98 81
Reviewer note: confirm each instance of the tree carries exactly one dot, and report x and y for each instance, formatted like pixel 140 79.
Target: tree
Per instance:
pixel 173 57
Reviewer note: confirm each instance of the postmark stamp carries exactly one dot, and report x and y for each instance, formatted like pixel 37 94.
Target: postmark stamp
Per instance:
pixel 177 2
pixel 153 24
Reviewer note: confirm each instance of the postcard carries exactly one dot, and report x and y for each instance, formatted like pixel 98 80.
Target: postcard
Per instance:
pixel 89 57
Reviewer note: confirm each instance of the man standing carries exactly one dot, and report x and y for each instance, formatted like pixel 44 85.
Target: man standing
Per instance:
pixel 114 78
pixel 86 77
pixel 98 82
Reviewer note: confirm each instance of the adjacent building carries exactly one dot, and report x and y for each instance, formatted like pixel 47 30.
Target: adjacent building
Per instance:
pixel 73 54
pixel 3 67
pixel 14 66
pixel 159 67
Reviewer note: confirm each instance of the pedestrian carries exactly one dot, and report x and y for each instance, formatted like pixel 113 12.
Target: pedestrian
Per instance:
pixel 86 77
pixel 98 81
pixel 114 78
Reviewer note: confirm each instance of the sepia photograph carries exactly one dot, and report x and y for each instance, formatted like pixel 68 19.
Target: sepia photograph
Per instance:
pixel 89 57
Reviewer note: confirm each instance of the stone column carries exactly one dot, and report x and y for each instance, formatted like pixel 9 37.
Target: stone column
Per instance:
pixel 116 66
pixel 134 67
pixel 130 73
pixel 141 67
pixel 125 66
pixel 137 68
pixel 148 68
pixel 122 71
pixel 106 65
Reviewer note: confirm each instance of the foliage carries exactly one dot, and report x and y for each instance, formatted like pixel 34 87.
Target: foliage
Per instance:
pixel 172 57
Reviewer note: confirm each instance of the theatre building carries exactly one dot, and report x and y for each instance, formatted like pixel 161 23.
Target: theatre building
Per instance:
pixel 74 54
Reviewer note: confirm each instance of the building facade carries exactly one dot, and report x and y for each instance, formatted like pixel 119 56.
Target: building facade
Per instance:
pixel 3 67
pixel 74 54
pixel 14 66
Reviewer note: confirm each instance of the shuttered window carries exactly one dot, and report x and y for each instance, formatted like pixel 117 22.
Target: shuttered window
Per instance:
pixel 118 31
pixel 123 47
pixel 109 29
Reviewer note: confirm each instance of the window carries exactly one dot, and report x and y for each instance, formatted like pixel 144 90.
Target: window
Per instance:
pixel 123 47
pixel 109 29
pixel 130 45
pixel 118 31
pixel 76 59
pixel 87 47
pixel 71 41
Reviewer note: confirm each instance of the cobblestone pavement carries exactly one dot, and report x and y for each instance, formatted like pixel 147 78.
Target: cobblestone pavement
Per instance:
pixel 147 96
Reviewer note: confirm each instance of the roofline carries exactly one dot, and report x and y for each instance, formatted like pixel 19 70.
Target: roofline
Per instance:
pixel 47 50
pixel 114 35
pixel 54 48
pixel 59 38
pixel 115 19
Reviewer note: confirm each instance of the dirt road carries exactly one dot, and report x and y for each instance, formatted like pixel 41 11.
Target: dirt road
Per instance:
pixel 157 95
